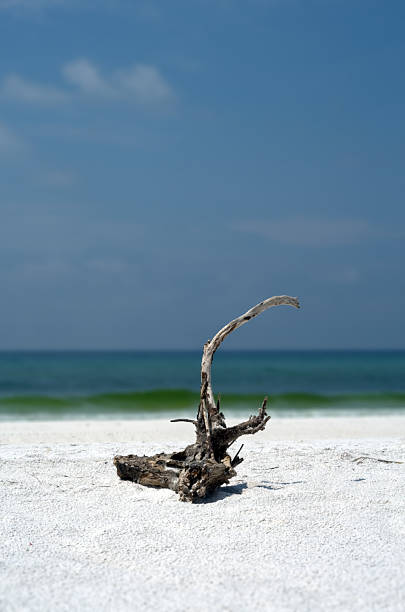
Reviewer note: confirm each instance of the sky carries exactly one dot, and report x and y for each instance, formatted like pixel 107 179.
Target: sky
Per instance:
pixel 166 165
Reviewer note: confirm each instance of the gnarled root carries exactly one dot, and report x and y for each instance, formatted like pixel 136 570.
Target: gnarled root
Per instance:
pixel 192 473
pixel 193 481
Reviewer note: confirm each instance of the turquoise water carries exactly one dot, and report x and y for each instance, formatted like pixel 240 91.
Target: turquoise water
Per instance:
pixel 144 384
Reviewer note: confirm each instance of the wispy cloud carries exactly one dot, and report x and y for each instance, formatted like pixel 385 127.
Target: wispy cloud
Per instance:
pixel 140 83
pixel 29 4
pixel 307 231
pixel 9 141
pixel 86 77
pixel 38 230
pixel 146 9
pixel 57 178
pixel 17 88
pixel 145 83
pixel 107 265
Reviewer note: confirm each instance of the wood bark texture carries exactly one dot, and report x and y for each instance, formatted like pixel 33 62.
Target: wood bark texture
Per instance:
pixel 205 465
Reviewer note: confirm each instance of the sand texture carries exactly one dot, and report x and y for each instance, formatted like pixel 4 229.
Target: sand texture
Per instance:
pixel 304 526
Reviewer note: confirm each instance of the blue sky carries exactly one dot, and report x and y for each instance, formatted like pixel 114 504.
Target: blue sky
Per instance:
pixel 166 165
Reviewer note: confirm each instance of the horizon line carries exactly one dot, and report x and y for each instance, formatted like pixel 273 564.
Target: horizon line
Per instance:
pixel 180 350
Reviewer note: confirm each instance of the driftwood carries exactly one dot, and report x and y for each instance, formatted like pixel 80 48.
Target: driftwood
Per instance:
pixel 205 465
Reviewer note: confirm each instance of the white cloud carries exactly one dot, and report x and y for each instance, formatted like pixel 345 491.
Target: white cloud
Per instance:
pixel 17 88
pixel 307 231
pixel 145 83
pixel 9 142
pixel 86 77
pixel 141 83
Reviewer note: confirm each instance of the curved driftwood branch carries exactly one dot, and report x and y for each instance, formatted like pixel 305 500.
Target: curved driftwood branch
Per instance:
pixel 205 465
pixel 210 347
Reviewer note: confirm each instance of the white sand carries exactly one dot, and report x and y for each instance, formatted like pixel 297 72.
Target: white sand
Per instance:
pixel 302 527
pixel 161 430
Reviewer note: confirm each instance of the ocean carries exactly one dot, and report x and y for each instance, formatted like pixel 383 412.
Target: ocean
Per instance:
pixel 136 384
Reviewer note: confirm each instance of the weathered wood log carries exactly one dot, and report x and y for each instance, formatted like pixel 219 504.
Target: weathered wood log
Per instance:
pixel 205 465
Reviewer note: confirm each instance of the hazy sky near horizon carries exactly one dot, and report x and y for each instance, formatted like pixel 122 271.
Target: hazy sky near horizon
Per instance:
pixel 166 165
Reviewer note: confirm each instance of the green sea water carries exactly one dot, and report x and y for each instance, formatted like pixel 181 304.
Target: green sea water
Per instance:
pixel 35 385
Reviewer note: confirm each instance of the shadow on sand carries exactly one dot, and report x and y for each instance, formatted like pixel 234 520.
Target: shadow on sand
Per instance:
pixel 274 486
pixel 238 489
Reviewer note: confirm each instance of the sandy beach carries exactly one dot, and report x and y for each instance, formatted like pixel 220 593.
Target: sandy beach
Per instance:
pixel 311 522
